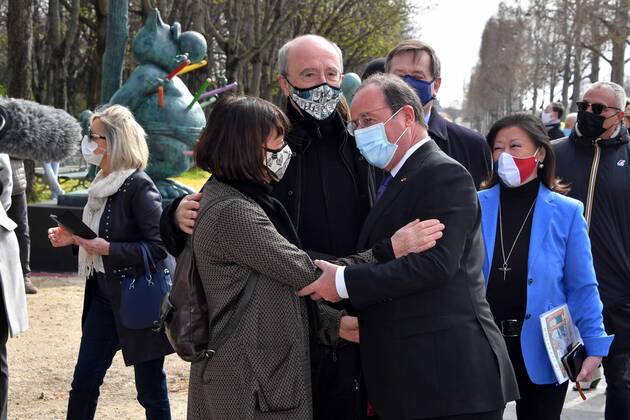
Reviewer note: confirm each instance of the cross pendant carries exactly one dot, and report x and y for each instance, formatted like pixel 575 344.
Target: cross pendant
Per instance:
pixel 505 269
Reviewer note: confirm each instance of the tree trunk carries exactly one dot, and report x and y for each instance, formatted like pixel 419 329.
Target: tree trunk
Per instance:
pixel 594 76
pixel 116 42
pixel 20 48
pixel 619 39
pixel 577 77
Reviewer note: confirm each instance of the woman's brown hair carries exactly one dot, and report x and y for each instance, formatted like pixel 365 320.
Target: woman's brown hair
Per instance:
pixel 537 132
pixel 231 145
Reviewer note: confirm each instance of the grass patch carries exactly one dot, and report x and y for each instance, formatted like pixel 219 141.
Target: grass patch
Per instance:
pixel 194 178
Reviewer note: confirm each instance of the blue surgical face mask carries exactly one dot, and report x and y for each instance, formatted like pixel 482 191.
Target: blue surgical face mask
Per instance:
pixel 423 89
pixel 373 144
pixel 566 131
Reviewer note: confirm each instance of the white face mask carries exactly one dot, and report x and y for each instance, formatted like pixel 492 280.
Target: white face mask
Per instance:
pixel 88 147
pixel 546 117
pixel 278 160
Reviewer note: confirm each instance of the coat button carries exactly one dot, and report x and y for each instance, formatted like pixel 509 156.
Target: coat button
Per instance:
pixel 290 193
pixel 528 316
pixel 530 281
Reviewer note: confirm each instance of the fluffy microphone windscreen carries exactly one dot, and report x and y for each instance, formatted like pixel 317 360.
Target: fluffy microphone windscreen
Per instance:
pixel 38 132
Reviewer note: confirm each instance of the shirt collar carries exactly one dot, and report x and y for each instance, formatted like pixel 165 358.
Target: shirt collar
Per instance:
pixel 409 152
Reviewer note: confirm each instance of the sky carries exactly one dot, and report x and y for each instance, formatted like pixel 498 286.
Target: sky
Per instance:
pixel 453 28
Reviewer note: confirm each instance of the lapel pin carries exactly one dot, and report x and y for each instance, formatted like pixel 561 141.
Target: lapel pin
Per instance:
pixel 403 179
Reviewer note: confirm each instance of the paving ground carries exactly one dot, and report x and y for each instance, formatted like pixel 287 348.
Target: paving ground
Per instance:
pixel 41 361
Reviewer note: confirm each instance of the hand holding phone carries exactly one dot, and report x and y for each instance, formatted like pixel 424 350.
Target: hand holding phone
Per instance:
pixel 74 225
pixel 60 237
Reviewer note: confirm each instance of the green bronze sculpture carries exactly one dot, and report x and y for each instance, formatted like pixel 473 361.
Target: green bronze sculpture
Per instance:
pixel 161 102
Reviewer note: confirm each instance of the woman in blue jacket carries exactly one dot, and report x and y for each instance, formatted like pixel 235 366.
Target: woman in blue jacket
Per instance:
pixel 538 256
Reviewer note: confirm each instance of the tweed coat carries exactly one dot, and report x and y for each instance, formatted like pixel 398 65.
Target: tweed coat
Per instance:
pixel 263 369
pixel 11 279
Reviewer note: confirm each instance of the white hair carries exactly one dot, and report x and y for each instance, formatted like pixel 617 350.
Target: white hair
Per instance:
pixel 126 139
pixel 283 53
pixel 620 94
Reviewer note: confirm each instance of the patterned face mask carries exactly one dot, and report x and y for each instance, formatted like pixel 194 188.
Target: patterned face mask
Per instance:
pixel 319 101
pixel 277 161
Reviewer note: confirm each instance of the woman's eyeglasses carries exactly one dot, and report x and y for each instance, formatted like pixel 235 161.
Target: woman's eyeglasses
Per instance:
pixel 597 108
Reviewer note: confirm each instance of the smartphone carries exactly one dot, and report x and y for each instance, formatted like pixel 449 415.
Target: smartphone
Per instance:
pixel 74 225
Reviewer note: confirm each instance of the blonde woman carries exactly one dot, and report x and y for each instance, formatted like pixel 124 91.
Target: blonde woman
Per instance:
pixel 124 208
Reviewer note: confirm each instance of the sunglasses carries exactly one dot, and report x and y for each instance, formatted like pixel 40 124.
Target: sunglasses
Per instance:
pixel 597 108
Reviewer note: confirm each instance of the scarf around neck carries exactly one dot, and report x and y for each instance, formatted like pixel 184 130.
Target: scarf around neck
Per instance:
pixel 101 188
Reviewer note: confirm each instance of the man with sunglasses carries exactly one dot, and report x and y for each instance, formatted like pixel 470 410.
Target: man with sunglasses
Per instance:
pixel 595 161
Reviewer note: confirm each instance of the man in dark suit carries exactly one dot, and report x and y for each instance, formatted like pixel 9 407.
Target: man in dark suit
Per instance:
pixel 418 64
pixel 429 346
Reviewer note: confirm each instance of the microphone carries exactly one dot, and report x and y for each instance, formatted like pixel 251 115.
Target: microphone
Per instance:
pixel 29 130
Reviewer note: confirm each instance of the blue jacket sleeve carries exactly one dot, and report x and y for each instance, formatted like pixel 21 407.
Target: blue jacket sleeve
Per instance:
pixel 581 287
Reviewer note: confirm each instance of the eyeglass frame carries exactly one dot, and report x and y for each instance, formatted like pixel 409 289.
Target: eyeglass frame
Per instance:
pixel 352 125
pixel 335 79
pixel 594 107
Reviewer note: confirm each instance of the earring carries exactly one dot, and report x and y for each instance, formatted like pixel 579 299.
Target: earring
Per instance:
pixel 541 165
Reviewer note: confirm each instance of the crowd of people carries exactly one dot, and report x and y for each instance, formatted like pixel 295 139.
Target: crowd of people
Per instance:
pixel 401 262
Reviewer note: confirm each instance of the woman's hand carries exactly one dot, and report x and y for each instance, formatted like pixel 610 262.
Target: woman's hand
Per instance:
pixel 591 363
pixel 97 246
pixel 60 237
pixel 416 237
pixel 349 328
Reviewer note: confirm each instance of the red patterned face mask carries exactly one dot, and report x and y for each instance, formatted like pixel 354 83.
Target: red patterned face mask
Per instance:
pixel 513 171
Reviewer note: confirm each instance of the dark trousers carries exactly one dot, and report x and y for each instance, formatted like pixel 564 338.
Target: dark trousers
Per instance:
pixel 538 402
pixel 19 214
pixel 4 364
pixel 99 344
pixel 617 373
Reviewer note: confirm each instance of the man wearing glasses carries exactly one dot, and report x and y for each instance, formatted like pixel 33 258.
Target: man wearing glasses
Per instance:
pixel 429 346
pixel 595 161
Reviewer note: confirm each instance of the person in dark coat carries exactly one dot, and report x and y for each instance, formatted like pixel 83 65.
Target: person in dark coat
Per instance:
pixel 551 117
pixel 418 64
pixel 124 208
pixel 429 346
pixel 595 161
pixel 327 191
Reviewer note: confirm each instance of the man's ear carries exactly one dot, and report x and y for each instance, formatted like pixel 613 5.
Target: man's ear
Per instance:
pixel 284 85
pixel 436 85
pixel 409 115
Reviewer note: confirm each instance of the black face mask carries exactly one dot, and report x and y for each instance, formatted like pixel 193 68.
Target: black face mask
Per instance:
pixel 591 125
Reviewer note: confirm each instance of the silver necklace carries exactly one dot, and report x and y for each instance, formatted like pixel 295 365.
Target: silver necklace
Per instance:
pixel 505 268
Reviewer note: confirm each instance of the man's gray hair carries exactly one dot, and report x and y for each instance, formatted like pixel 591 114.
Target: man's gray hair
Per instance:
pixel 397 94
pixel 283 53
pixel 620 94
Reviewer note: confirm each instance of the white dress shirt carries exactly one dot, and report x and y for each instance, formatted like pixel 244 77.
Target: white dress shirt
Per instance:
pixel 340 281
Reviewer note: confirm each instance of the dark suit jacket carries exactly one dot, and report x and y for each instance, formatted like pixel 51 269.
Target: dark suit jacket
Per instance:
pixel 429 345
pixel 464 145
